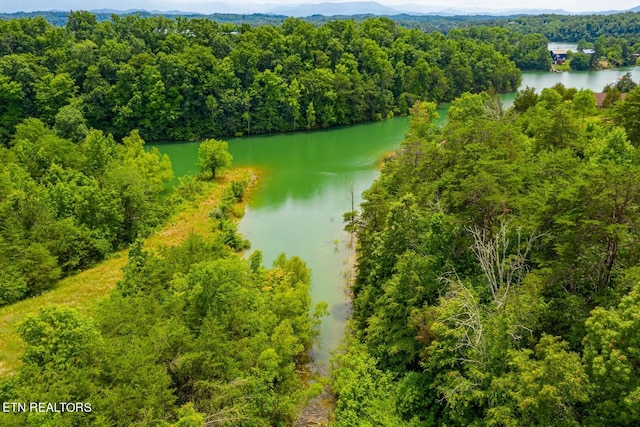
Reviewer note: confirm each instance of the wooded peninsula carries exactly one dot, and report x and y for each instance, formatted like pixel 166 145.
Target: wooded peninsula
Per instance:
pixel 498 254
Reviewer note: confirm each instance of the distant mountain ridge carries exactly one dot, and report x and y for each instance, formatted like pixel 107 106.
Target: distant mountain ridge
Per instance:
pixel 305 9
pixel 375 8
pixel 329 9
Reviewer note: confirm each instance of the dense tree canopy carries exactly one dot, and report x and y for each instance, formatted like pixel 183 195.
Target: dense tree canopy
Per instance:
pixel 497 277
pixel 65 205
pixel 573 28
pixel 192 333
pixel 179 78
pixel 498 269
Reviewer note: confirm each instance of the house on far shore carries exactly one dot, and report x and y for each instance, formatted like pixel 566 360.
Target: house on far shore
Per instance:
pixel 559 56
pixel 600 97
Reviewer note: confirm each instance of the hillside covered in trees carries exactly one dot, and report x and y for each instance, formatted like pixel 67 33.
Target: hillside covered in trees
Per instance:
pixel 66 204
pixel 572 28
pixel 556 27
pixel 498 262
pixel 177 79
pixel 192 334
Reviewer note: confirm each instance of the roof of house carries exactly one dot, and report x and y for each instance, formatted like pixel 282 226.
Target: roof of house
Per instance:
pixel 559 51
pixel 601 96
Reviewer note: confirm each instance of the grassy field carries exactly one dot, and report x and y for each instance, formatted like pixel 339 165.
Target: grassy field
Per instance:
pixel 84 289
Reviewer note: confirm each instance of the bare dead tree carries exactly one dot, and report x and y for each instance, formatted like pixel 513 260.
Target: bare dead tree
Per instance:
pixel 493 108
pixel 226 416
pixel 502 268
pixel 466 320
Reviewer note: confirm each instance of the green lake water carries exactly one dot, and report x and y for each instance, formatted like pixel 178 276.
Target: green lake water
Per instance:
pixel 594 80
pixel 297 206
pixel 305 188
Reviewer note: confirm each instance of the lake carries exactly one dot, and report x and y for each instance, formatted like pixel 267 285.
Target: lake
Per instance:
pixel 308 180
pixel 306 185
pixel 594 80
pixel 298 205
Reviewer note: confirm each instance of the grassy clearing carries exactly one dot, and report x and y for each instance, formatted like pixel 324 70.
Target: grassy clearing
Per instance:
pixel 84 289
pixel 193 218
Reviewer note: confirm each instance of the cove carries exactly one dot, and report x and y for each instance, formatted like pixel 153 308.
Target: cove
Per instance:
pixel 306 185
pixel 594 80
pixel 307 181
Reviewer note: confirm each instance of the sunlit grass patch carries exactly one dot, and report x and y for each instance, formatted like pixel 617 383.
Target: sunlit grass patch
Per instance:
pixel 82 290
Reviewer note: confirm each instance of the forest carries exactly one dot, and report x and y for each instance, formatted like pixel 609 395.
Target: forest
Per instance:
pixel 556 27
pixel 77 104
pixel 426 23
pixel 497 275
pixel 175 78
pixel 571 28
pixel 66 204
pixel 191 334
pixel 186 79
pixel 77 185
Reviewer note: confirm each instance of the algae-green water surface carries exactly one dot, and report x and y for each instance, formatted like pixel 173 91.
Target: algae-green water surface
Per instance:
pixel 297 207
pixel 306 183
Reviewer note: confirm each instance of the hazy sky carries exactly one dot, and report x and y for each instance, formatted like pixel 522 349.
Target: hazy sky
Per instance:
pixel 210 6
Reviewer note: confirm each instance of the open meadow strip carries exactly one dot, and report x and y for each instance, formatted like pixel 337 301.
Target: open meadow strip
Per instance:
pixel 84 289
